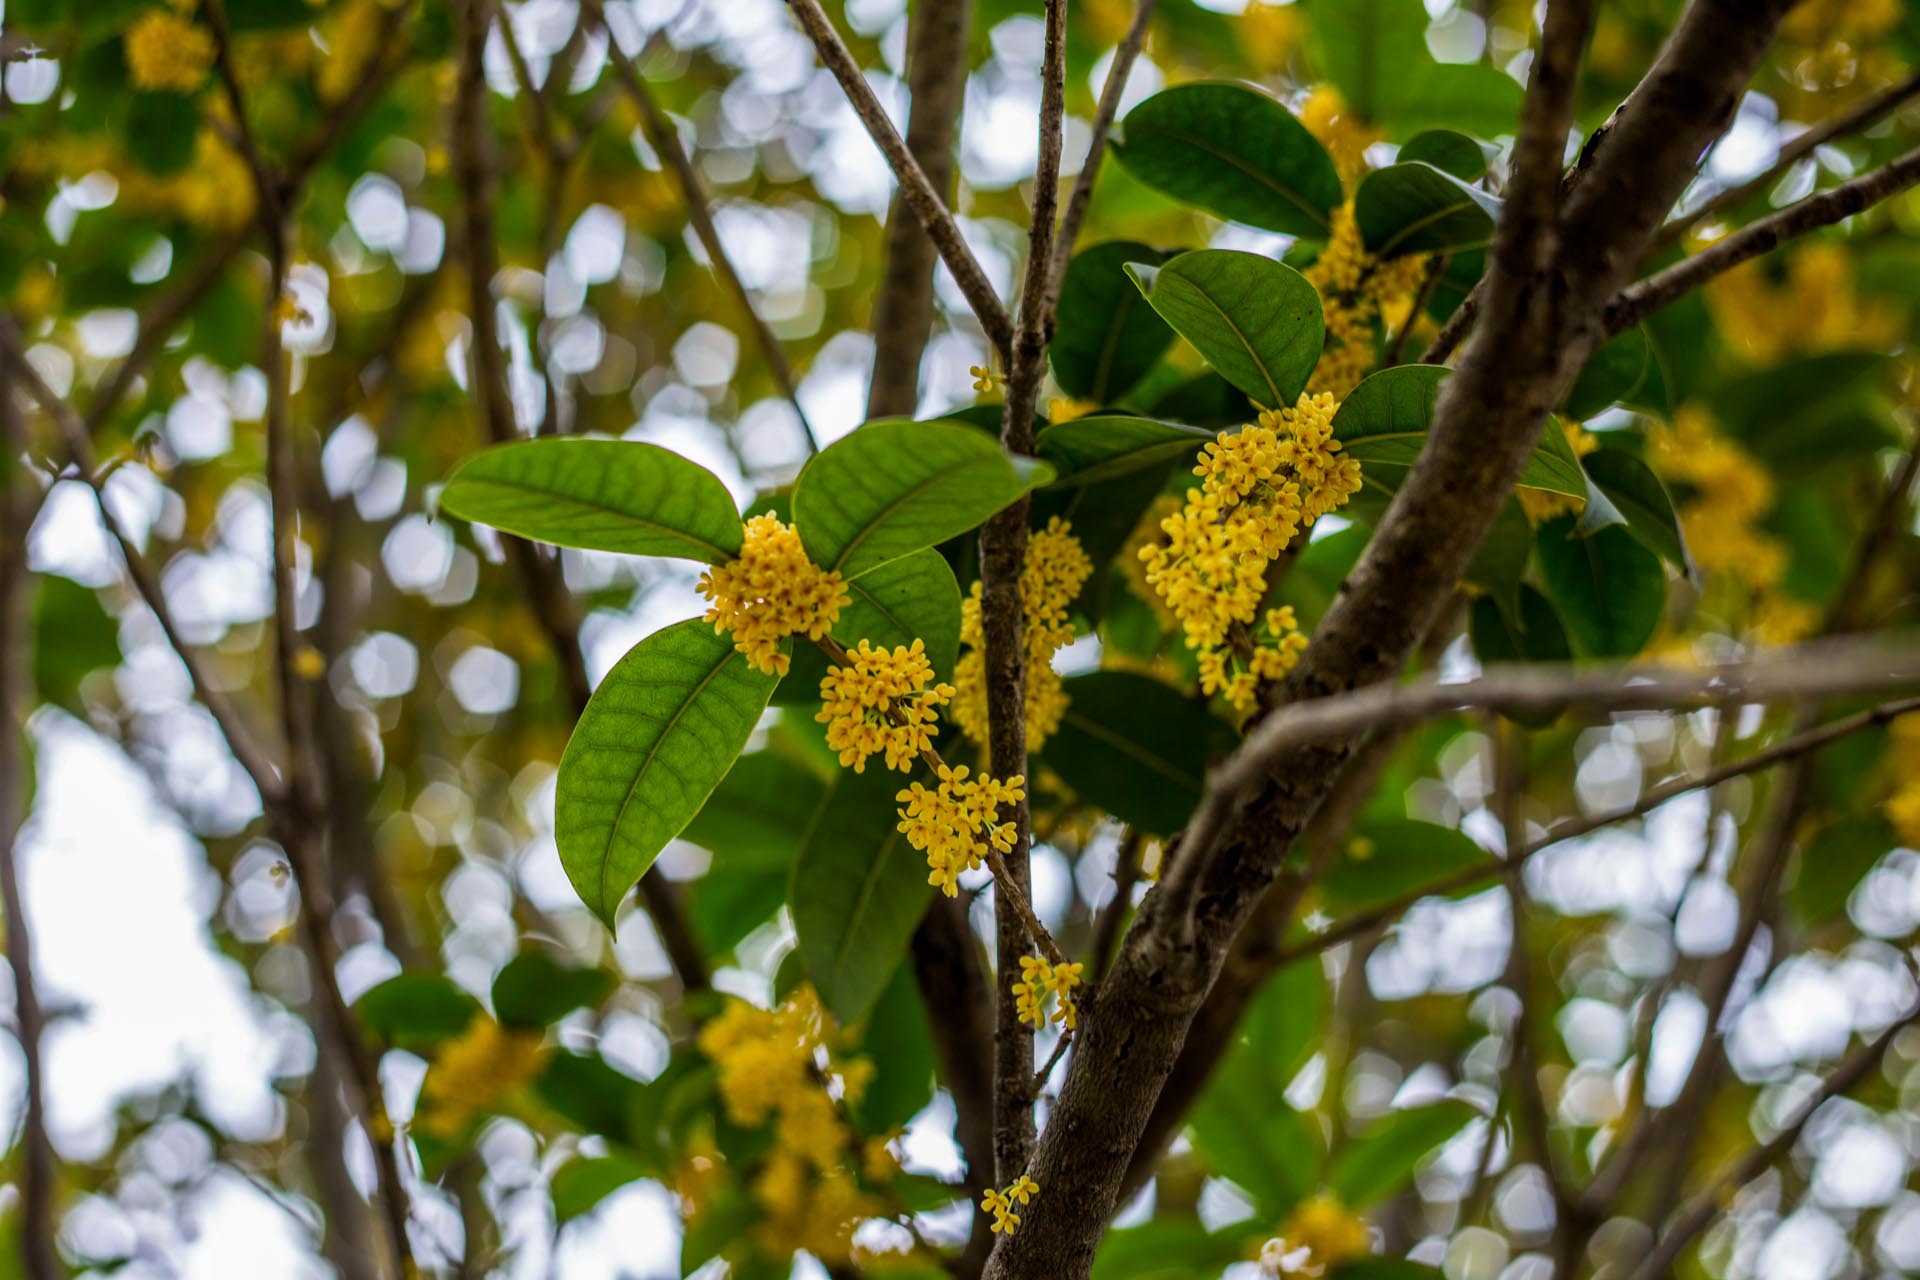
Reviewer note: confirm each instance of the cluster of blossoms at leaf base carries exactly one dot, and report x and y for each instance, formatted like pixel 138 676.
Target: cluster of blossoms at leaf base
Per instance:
pixel 1260 488
pixel 1056 568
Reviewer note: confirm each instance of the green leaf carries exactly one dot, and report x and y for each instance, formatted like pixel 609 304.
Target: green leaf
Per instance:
pixel 1834 861
pixel 1235 152
pixel 1617 371
pixel 1248 1133
pixel 1608 589
pixel 757 815
pixel 728 903
pixel 1375 1267
pixel 1088 450
pixel 657 737
pixel 601 495
pixel 1136 747
pixel 858 891
pixel 73 637
pixel 1449 151
pixel 913 598
pixel 1813 414
pixel 1287 1019
pixel 894 487
pixel 1636 493
pixel 1502 558
pixel 899 1042
pixel 414 1010
pixel 1256 321
pixel 581 1184
pixel 1375 52
pixel 1167 1249
pixel 534 989
pixel 593 1097
pixel 161 129
pixel 1106 338
pixel 1413 207
pixel 1379 1162
pixel 1528 632
pixel 1390 857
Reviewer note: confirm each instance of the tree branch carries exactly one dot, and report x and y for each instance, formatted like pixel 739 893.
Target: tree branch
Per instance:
pixel 1642 299
pixel 903 309
pixel 1864 114
pixel 915 188
pixel 665 140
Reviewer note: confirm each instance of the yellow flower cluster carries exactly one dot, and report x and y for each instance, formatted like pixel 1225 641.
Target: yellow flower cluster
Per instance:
pixel 1275 651
pixel 167 53
pixel 1815 307
pixel 1001 1203
pixel 1356 291
pixel 474 1072
pixel 780 1064
pixel 1259 487
pixel 955 823
pixel 1318 1236
pixel 1345 136
pixel 1731 492
pixel 1542 505
pixel 880 703
pixel 1038 980
pixel 1056 568
pixel 770 591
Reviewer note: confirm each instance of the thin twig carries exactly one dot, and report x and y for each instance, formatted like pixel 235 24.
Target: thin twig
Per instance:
pixel 1641 299
pixel 1436 268
pixel 1126 873
pixel 914 186
pixel 665 141
pixel 1060 1048
pixel 1864 114
pixel 1082 195
pixel 1444 343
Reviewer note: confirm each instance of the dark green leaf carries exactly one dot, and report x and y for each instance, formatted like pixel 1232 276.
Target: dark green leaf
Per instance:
pixel 1530 632
pixel 912 598
pixel 1233 151
pixel 1087 450
pixel 414 1010
pixel 1449 151
pixel 1379 1162
pixel 1374 1267
pixel 591 1096
pixel 603 495
pixel 161 128
pixel 657 737
pixel 1834 861
pixel 1617 371
pixel 1388 858
pixel 1257 322
pixel 1502 558
pixel 894 487
pixel 1413 207
pixel 1106 337
pixel 756 816
pixel 899 1043
pixel 581 1184
pixel 1383 424
pixel 728 903
pixel 1634 491
pixel 858 891
pixel 1608 589
pixel 1287 1019
pixel 73 637
pixel 1375 52
pixel 1135 747
pixel 1167 1249
pixel 534 989
pixel 1811 414
pixel 1205 400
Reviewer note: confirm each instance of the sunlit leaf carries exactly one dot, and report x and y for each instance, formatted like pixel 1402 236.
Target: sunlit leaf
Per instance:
pixel 1256 321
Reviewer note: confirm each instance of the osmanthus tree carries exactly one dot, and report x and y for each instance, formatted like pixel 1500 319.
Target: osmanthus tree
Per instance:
pixel 1358 753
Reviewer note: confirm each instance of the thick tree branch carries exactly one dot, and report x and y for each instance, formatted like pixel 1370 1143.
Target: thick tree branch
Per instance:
pixel 1082 195
pixel 665 141
pixel 915 188
pixel 1864 114
pixel 903 309
pixel 1643 298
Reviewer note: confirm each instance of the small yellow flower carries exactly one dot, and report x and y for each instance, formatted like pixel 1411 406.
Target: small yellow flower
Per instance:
pixel 1357 290
pixel 881 703
pixel 984 379
pixel 772 591
pixel 1001 1203
pixel 166 52
pixel 1339 130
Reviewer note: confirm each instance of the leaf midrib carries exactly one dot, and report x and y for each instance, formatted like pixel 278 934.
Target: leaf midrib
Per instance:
pixel 1130 748
pixel 1258 363
pixel 1284 192
pixel 881 516
pixel 552 495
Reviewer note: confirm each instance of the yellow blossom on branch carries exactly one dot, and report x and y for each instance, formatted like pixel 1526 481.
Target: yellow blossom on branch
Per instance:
pixel 770 591
pixel 1056 567
pixel 956 823
pixel 167 53
pixel 1357 291
pixel 881 703
pixel 1340 130
pixel 474 1072
pixel 1001 1204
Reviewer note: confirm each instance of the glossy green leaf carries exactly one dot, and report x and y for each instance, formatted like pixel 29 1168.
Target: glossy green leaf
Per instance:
pixel 1608 589
pixel 1527 631
pixel 534 989
pixel 601 495
pixel 414 1010
pixel 657 737
pixel 1106 337
pixel 1413 207
pixel 1449 151
pixel 894 487
pixel 1377 1164
pixel 1388 858
pixel 1233 151
pixel 1383 424
pixel 1088 450
pixel 913 598
pixel 1248 1133
pixel 1256 321
pixel 1617 371
pixel 1136 747
pixel 858 891
pixel 580 1185
pixel 1635 492
pixel 1288 1018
